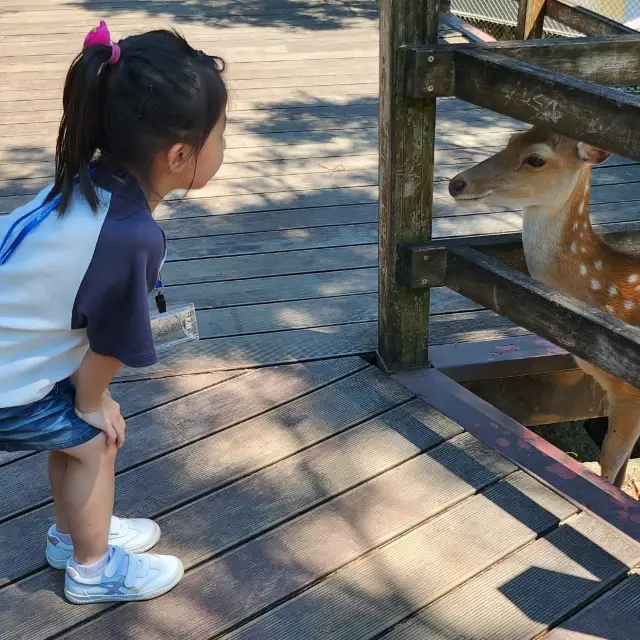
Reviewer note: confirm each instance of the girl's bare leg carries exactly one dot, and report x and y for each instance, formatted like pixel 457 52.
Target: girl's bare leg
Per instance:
pixel 87 498
pixel 58 462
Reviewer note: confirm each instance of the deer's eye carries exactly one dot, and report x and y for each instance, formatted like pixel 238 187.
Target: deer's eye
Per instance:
pixel 535 161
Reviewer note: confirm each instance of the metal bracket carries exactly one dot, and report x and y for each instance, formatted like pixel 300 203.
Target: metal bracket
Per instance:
pixel 422 267
pixel 434 77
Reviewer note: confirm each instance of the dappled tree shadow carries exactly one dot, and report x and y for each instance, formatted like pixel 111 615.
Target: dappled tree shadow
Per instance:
pixel 288 15
pixel 268 481
pixel 284 239
pixel 261 509
pixel 24 171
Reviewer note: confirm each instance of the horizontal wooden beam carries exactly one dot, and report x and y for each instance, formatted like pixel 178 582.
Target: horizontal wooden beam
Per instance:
pixel 493 360
pixel 608 60
pixel 473 34
pixel 588 333
pixel 584 21
pixel 535 399
pixel 526 377
pixel 422 267
pixel 603 117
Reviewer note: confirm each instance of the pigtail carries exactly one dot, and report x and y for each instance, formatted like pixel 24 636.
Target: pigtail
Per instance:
pixel 80 134
pixel 122 113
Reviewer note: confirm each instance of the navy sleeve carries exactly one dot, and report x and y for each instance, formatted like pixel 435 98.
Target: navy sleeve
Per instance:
pixel 113 299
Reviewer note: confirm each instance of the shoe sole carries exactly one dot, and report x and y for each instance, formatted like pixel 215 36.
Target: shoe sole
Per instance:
pixel 149 544
pixel 160 591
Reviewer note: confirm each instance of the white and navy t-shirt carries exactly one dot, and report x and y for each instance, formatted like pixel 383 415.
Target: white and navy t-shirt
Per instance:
pixel 76 282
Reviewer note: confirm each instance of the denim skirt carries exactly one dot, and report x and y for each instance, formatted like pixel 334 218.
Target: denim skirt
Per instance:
pixel 50 423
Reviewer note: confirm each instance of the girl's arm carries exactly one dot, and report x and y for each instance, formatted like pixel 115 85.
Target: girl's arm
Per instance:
pixel 92 380
pixel 93 400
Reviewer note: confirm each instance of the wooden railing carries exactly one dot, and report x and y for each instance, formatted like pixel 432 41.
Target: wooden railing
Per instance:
pixel 556 83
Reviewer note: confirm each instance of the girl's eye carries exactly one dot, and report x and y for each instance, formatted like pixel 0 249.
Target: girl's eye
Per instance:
pixel 535 161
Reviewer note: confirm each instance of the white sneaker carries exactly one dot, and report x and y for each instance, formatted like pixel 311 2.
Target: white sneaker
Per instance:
pixel 135 535
pixel 126 577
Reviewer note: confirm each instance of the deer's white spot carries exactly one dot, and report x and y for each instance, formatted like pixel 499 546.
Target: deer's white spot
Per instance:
pixel 575 226
pixel 583 269
pixel 628 304
pixel 638 288
pixel 583 250
pixel 613 290
pixel 581 207
pixel 586 225
pixel 595 284
pixel 574 247
pixel 608 308
pixel 598 264
pixel 586 188
pixel 633 278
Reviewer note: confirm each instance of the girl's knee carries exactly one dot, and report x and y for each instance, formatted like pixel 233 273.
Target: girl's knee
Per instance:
pixel 94 451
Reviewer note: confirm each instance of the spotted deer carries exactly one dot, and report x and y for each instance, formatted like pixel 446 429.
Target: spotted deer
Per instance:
pixel 549 176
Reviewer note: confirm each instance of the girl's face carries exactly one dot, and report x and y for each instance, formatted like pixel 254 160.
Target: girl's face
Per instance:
pixel 209 160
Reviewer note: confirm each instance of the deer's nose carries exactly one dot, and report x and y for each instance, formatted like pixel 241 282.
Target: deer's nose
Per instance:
pixel 457 186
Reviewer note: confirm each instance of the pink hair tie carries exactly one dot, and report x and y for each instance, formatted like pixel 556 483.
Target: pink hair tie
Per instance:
pixel 101 35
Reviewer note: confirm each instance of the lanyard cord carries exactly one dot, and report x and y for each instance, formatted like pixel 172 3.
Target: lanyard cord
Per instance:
pixel 161 303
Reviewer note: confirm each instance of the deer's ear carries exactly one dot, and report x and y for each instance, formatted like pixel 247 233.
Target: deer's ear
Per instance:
pixel 592 155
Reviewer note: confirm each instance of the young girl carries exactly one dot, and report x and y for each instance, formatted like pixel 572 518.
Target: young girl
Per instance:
pixel 141 118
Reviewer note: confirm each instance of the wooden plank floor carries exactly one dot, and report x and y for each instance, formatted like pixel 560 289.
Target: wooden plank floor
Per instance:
pixel 322 500
pixel 312 498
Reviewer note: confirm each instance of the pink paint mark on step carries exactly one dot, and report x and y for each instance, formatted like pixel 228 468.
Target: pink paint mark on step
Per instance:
pixel 505 348
pixel 550 348
pixel 562 471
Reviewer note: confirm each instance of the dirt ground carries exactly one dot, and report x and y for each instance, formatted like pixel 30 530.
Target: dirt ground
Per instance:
pixel 575 439
pixel 633 476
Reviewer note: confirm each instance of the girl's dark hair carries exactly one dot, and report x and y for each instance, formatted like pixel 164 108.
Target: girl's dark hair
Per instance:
pixel 160 92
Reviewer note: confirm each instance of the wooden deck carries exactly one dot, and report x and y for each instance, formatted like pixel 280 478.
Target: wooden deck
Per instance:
pixel 309 495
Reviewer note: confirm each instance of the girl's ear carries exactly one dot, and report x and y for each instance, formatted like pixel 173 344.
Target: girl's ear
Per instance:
pixel 592 155
pixel 177 157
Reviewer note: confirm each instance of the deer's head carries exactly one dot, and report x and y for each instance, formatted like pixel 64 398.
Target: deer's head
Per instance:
pixel 537 168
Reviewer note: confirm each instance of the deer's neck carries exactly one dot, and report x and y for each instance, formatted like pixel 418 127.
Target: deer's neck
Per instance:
pixel 555 238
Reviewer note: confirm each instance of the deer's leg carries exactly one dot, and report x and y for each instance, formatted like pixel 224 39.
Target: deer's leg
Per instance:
pixel 623 433
pixel 622 474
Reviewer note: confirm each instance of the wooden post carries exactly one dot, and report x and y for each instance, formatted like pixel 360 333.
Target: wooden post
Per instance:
pixel 530 19
pixel 407 137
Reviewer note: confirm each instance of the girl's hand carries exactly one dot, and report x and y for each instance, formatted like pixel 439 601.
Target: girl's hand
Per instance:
pixel 108 419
